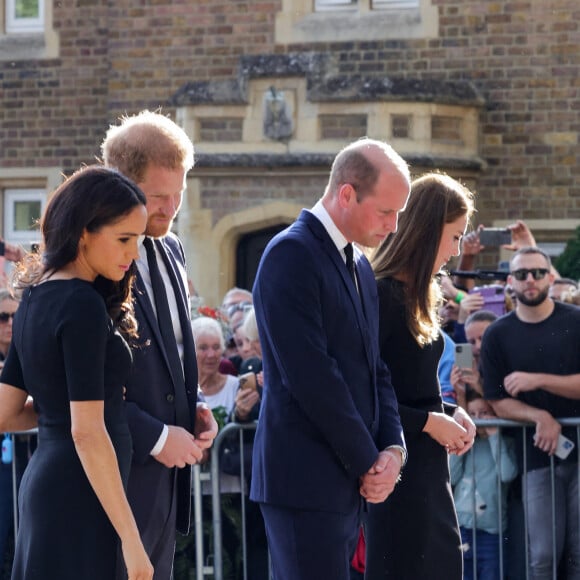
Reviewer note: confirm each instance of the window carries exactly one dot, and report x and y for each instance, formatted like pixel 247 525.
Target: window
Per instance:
pixel 334 4
pixel 366 4
pixel 22 211
pixel 24 16
pixel 401 126
pixel 26 30
pixel 395 4
pixel 306 21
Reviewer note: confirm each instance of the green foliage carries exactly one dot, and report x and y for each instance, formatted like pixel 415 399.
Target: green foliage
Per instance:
pixel 220 415
pixel 568 263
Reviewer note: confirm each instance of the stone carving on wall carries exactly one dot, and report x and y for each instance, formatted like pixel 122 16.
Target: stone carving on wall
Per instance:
pixel 278 124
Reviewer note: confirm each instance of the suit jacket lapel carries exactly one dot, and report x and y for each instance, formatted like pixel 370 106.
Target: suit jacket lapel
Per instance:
pixel 182 299
pixel 332 251
pixel 142 298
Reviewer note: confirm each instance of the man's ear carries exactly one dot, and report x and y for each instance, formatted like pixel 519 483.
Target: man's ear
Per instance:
pixel 346 195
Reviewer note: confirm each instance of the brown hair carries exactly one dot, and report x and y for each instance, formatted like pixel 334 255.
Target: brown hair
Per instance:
pixel 145 139
pixel 355 166
pixel 410 252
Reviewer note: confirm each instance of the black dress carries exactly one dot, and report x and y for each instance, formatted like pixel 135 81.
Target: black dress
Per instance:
pixel 64 348
pixel 414 534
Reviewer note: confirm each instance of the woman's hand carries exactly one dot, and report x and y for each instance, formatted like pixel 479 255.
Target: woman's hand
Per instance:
pixel 246 399
pixel 138 565
pixel 463 419
pixel 446 431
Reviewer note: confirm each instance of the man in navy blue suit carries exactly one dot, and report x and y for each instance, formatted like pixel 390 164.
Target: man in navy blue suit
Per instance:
pixel 170 429
pixel 329 436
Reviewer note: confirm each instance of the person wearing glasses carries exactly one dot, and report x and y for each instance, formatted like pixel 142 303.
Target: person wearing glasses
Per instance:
pixel 531 372
pixel 8 306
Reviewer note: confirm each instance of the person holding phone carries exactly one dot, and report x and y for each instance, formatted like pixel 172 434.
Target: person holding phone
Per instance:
pixel 465 376
pixel 481 506
pixel 415 534
pixel 531 372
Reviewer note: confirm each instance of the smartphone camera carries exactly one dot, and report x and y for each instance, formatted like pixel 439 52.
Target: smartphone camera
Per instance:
pixel 495 236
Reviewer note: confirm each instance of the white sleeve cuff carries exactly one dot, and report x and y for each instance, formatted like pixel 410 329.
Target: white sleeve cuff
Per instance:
pixel 160 442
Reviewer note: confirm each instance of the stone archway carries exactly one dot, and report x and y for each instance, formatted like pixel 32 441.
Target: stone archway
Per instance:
pixel 211 251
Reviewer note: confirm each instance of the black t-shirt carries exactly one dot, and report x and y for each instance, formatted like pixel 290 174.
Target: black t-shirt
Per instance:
pixel 552 347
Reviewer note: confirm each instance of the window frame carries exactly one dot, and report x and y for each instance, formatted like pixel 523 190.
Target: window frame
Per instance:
pixel 12 196
pixel 25 25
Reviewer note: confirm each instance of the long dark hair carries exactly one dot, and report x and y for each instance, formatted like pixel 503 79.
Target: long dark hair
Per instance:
pixel 91 198
pixel 409 253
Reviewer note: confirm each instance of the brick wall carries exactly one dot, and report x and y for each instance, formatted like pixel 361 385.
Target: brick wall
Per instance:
pixel 120 57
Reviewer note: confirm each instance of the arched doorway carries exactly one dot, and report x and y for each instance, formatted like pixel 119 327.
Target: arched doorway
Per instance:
pixel 249 251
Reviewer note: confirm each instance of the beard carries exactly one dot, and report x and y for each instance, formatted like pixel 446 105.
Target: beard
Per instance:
pixel 536 301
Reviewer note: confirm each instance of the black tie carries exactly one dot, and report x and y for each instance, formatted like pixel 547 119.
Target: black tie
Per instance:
pixel 348 252
pixel 168 336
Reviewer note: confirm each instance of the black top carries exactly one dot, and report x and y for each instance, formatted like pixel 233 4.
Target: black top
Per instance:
pixel 65 348
pixel 414 534
pixel 413 368
pixel 551 346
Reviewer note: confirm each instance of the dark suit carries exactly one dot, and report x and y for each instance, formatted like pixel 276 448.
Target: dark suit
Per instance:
pixel 160 497
pixel 328 404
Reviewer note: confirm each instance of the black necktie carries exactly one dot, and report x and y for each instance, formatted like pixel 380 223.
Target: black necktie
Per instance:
pixel 348 252
pixel 168 336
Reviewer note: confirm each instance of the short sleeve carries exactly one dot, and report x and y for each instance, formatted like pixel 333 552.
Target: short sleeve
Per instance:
pixel 12 370
pixel 83 336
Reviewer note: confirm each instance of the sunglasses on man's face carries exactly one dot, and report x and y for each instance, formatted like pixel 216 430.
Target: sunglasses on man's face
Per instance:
pixel 6 316
pixel 522 273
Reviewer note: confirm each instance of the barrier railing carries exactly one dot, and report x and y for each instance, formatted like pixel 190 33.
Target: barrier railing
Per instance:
pixel 213 567
pixel 521 552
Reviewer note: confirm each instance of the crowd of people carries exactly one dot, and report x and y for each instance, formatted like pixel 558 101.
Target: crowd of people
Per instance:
pixel 345 352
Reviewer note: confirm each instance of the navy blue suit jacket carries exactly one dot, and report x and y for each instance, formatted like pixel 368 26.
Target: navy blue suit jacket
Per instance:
pixel 328 405
pixel 151 397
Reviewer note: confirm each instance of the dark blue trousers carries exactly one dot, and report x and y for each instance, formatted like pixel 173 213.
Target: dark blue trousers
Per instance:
pixel 310 545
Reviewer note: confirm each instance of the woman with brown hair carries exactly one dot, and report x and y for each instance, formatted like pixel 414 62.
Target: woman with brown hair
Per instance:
pixel 414 534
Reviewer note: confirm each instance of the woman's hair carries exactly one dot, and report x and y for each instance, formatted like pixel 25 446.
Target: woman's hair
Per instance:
pixel 91 198
pixel 249 326
pixel 409 253
pixel 206 325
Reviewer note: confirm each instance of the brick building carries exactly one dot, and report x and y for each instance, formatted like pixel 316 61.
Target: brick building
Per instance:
pixel 270 90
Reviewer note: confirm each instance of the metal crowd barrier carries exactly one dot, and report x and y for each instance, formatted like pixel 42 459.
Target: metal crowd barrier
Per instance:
pixel 503 424
pixel 203 570
pixel 216 570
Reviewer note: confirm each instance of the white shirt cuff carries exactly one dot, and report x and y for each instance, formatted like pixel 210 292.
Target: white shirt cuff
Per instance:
pixel 160 442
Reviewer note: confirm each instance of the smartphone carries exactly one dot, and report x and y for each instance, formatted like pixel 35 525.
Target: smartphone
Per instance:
pixel 464 355
pixel 495 236
pixel 493 298
pixel 564 448
pixel 248 381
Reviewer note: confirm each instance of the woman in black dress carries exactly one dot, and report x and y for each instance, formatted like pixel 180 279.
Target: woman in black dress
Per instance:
pixel 414 534
pixel 69 354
